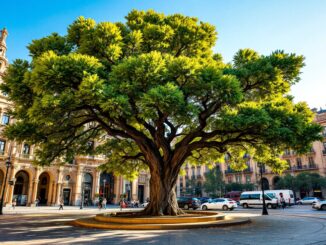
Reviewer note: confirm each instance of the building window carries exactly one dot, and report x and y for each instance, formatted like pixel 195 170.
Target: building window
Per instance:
pixel 229 179
pixel 289 163
pixel 26 149
pixel 287 152
pixel 142 178
pixel 2 147
pixel 324 131
pixel 238 178
pixel 5 119
pixel 67 177
pixel 299 163
pixel 248 179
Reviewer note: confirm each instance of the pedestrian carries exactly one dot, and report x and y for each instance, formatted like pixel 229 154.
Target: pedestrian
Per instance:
pixel 100 203
pixel 14 203
pixel 282 201
pixel 86 202
pixel 61 205
pixel 122 203
pixel 104 202
pixel 36 202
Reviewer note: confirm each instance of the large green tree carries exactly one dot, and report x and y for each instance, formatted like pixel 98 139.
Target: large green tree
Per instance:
pixel 152 94
pixel 214 184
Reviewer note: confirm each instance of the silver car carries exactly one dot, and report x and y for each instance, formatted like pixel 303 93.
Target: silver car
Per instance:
pixel 308 200
pixel 320 205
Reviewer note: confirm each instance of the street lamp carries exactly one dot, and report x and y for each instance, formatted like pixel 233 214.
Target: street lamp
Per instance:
pixel 82 193
pixel 8 164
pixel 104 181
pixel 264 212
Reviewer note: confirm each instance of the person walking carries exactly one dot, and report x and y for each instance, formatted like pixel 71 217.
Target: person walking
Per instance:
pixel 61 205
pixel 14 203
pixel 104 203
pixel 282 201
pixel 36 202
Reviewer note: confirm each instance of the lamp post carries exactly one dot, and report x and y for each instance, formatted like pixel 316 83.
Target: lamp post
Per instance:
pixel 264 212
pixel 82 193
pixel 8 164
pixel 104 181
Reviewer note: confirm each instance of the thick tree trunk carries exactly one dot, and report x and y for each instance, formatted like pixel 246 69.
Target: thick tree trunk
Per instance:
pixel 163 200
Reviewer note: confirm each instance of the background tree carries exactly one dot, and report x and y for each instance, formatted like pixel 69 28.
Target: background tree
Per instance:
pixel 303 182
pixel 151 94
pixel 214 184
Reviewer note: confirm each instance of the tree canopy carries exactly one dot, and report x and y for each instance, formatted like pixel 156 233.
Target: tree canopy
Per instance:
pixel 304 182
pixel 151 93
pixel 214 184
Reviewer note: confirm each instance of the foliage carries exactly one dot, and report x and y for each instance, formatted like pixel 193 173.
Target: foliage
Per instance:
pixel 193 187
pixel 151 94
pixel 214 184
pixel 302 182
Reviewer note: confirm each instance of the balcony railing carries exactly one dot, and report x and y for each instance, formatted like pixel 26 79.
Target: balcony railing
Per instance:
pixel 232 171
pixel 26 156
pixel 303 167
pixel 247 170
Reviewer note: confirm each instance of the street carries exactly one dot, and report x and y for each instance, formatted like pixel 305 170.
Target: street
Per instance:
pixel 47 225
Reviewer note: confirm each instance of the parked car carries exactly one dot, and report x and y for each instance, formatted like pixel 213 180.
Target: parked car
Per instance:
pixel 308 200
pixel 255 199
pixel 320 205
pixel 219 203
pixel 188 202
pixel 144 204
pixel 234 195
pixel 204 199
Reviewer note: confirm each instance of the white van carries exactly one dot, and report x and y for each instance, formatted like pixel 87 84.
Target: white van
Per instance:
pixel 254 199
pixel 287 194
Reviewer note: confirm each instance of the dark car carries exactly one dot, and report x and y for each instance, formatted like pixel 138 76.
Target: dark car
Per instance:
pixel 204 199
pixel 188 202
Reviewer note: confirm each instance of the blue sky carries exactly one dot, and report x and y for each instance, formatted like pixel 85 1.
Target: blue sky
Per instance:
pixel 297 26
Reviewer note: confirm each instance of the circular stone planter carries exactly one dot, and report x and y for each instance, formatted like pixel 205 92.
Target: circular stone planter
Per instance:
pixel 134 221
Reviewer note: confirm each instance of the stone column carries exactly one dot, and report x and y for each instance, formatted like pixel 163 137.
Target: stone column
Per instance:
pixel 49 196
pixel 77 197
pixel 96 184
pixel 34 193
pixel 34 188
pixel 30 192
pixel 53 193
pixel 147 188
pixel 134 190
pixel 10 190
pixel 116 189
pixel 58 193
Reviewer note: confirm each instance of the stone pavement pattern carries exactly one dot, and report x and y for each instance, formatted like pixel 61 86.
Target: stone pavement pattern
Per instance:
pixel 293 226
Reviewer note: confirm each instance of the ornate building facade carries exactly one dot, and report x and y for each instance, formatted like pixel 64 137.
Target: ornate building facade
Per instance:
pixel 75 182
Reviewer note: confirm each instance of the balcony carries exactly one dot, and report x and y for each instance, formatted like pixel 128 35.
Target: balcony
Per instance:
pixel 26 156
pixel 231 171
pixel 248 170
pixel 311 166
pixel 199 176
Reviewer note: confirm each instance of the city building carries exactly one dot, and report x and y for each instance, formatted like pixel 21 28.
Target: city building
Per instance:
pixel 75 182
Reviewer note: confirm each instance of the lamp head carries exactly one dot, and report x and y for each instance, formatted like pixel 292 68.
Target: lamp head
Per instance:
pixel 8 163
